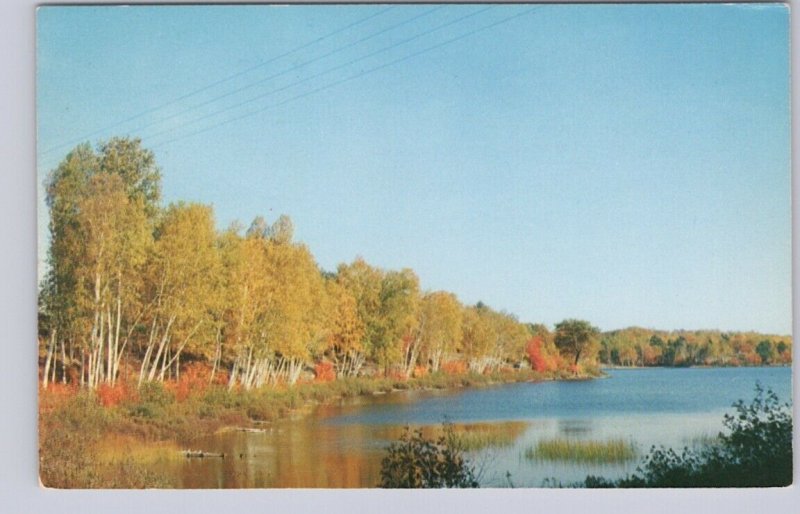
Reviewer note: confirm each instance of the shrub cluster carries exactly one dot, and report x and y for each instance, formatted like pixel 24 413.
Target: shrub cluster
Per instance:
pixel 756 451
pixel 417 462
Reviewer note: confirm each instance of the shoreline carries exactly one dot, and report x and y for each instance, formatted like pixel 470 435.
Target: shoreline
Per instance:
pixel 154 413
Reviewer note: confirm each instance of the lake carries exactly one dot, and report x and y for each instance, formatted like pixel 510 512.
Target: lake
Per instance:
pixel 342 445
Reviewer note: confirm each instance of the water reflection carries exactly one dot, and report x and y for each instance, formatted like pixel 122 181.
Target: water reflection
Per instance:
pixel 574 427
pixel 341 446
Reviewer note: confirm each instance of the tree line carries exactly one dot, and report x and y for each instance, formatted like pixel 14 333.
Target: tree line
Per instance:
pixel 137 291
pixel 636 346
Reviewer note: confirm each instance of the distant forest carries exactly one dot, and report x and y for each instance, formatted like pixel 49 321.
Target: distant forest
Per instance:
pixel 140 292
pixel 645 347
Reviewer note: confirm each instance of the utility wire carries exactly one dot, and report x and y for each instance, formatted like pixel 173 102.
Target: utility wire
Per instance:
pixel 284 72
pixel 218 82
pixel 353 77
pixel 338 67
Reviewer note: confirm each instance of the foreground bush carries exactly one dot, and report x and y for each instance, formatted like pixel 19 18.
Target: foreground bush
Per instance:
pixel 419 463
pixel 756 452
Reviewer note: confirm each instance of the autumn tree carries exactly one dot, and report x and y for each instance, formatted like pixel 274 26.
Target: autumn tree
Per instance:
pixel 346 335
pixel 575 337
pixel 115 236
pixel 439 327
pixel 477 338
pixel 102 206
pixel 541 350
pixel 398 320
pixel 184 288
pixel 246 301
pixel 297 310
pixel 277 306
pixel 363 282
pixel 387 303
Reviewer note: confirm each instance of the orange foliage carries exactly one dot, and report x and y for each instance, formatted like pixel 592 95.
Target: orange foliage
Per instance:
pixel 323 372
pixel 194 381
pixel 454 367
pixel 420 371
pixel 539 360
pixel 221 377
pixel 650 355
pixel 752 359
pixel 59 390
pixel 111 396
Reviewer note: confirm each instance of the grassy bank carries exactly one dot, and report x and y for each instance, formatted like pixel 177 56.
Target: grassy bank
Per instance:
pixel 73 422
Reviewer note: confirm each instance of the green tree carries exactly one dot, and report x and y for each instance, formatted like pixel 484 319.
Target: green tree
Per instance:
pixel 765 350
pixel 137 168
pixel 102 206
pixel 575 337
pixel 60 296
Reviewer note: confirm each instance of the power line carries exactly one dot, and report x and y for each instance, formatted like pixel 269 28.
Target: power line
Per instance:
pixel 347 79
pixel 284 72
pixel 218 82
pixel 338 67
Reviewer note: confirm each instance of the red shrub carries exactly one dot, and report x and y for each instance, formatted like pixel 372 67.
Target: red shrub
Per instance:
pixel 420 371
pixel 111 396
pixel 752 359
pixel 454 367
pixel 539 360
pixel 194 381
pixel 324 372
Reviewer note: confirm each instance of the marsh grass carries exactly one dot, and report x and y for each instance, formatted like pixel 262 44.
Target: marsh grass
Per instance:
pixel 478 436
pixel 571 450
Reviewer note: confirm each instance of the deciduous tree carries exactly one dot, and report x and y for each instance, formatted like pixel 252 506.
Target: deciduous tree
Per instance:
pixel 439 327
pixel 575 337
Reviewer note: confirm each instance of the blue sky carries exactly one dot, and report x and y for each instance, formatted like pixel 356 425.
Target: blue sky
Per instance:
pixel 625 164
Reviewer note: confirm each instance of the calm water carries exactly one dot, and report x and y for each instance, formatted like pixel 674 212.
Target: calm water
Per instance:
pixel 341 446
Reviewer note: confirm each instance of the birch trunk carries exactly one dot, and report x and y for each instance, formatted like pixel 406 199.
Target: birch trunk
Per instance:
pixel 64 361
pixel 48 359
